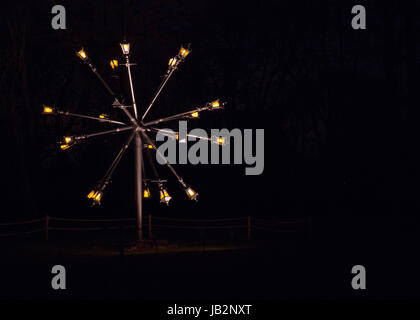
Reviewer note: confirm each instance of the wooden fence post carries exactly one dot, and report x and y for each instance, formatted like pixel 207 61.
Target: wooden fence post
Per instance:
pixel 249 227
pixel 47 222
pixel 150 226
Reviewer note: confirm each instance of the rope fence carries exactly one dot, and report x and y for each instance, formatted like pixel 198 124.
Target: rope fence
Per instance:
pixel 264 225
pixel 22 222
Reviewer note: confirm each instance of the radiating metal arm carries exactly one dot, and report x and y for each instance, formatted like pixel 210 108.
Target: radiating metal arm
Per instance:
pixel 95 71
pixel 71 114
pixel 149 141
pixel 162 85
pixel 107 177
pixel 215 105
pixel 176 134
pixel 152 165
pixel 174 117
pixel 173 65
pixel 90 135
pixel 116 103
pixel 128 65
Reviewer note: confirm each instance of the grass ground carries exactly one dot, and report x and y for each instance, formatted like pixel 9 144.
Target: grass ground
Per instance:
pixel 302 267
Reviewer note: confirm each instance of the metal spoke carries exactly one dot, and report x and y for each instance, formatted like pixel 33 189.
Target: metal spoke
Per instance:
pixel 170 167
pixel 101 133
pixel 162 85
pixel 77 115
pixel 116 103
pixel 128 65
pixel 172 133
pixel 117 159
pixel 189 114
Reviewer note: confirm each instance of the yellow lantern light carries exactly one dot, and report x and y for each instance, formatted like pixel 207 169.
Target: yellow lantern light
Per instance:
pixel 98 196
pixel 191 193
pixel 92 194
pixel 220 141
pixel 82 54
pixel 195 114
pixel 172 62
pixel 113 64
pixel 146 193
pixel 103 116
pixel 164 196
pixel 215 104
pixel 66 143
pixel 184 52
pixel 125 48
pixel 47 110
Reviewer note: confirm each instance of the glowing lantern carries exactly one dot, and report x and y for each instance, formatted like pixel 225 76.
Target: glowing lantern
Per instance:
pixel 82 54
pixel 191 193
pixel 146 193
pixel 92 194
pixel 48 110
pixel 113 64
pixel 172 62
pixel 164 196
pixel 215 104
pixel 183 52
pixel 98 196
pixel 125 48
pixel 66 143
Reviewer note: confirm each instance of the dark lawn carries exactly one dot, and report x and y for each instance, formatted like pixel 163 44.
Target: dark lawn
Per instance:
pixel 294 266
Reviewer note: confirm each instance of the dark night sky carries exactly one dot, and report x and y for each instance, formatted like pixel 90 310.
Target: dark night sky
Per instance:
pixel 339 106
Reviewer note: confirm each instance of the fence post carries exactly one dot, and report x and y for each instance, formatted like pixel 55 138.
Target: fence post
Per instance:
pixel 249 227
pixel 47 222
pixel 150 226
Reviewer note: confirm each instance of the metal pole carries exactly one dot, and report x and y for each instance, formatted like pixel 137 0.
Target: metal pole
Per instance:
pixel 139 184
pixel 138 159
pixel 131 86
